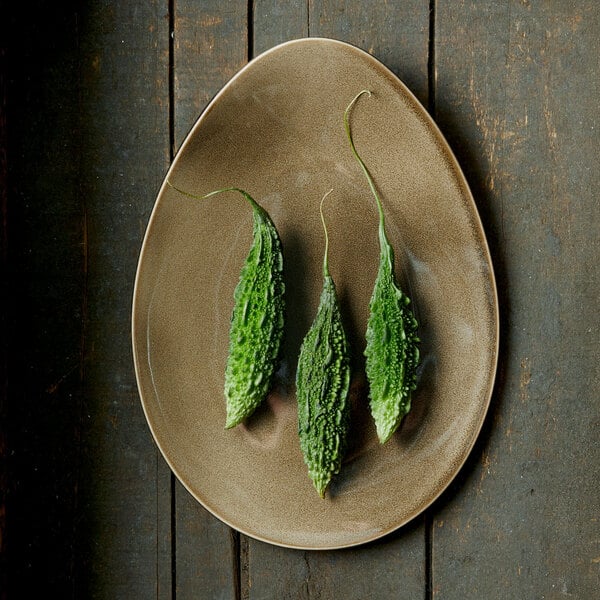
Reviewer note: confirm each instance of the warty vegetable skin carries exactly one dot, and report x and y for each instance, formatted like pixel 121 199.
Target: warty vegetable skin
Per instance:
pixel 257 319
pixel 391 351
pixel 322 383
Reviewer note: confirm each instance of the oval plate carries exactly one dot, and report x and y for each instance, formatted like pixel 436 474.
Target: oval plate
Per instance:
pixel 276 130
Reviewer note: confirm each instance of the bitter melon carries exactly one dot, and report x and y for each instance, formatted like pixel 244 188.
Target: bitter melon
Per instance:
pixel 322 383
pixel 392 351
pixel 257 319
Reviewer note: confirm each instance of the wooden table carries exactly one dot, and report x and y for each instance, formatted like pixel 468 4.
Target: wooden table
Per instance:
pixel 96 97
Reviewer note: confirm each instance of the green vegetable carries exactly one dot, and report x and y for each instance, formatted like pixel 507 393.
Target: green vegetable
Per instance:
pixel 322 382
pixel 392 352
pixel 256 328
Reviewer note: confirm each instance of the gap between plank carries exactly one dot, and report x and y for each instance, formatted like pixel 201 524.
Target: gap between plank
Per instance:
pixel 428 555
pixel 431 61
pixel 171 78
pixel 171 11
pixel 173 540
pixel 431 82
pixel 236 566
pixel 250 25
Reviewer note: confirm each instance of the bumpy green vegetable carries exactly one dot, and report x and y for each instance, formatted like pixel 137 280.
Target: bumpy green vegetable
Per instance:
pixel 392 352
pixel 256 328
pixel 322 382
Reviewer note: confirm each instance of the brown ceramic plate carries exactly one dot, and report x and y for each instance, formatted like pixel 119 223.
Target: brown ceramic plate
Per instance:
pixel 276 130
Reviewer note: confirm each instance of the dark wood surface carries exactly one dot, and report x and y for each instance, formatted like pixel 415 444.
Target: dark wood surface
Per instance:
pixel 95 99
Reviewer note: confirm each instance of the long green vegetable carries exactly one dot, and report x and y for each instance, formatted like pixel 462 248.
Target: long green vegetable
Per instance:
pixel 392 352
pixel 322 382
pixel 256 328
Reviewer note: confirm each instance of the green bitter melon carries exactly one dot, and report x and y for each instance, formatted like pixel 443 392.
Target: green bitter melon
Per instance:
pixel 322 383
pixel 392 352
pixel 257 319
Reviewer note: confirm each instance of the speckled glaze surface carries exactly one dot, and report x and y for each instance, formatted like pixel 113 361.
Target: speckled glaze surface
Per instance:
pixel 276 130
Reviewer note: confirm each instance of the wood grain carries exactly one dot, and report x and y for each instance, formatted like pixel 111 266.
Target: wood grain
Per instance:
pixel 124 137
pixel 278 21
pixel 397 33
pixel 516 94
pixel 393 567
pixel 210 46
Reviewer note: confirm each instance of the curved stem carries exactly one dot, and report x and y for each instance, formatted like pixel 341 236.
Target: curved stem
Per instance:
pixel 382 235
pixel 326 254
pixel 246 195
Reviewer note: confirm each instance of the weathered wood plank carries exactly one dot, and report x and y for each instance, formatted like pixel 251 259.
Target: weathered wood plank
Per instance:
pixel 210 45
pixel 283 20
pixel 393 567
pixel 124 152
pixel 397 33
pixel 45 277
pixel 517 88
